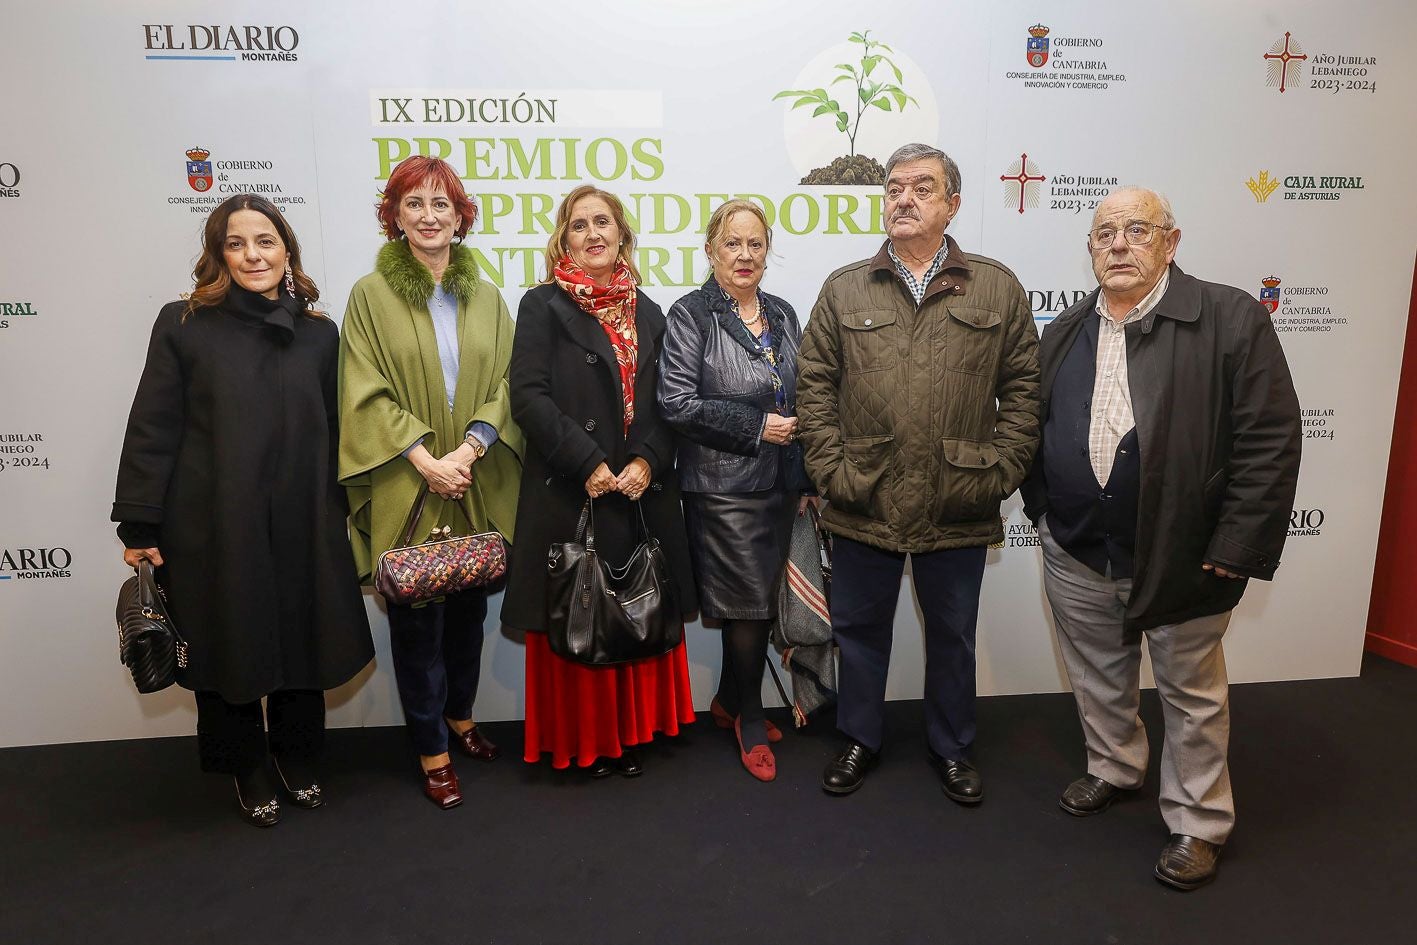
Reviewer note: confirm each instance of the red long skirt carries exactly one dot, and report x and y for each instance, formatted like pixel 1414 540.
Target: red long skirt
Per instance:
pixel 580 713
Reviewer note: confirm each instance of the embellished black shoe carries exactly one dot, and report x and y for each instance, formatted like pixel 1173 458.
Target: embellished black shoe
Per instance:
pixel 305 791
pixel 257 798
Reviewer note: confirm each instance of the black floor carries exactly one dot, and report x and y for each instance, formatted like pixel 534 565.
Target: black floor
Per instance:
pixel 123 842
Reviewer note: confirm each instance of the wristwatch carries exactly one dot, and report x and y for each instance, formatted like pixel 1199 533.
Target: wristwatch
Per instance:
pixel 478 450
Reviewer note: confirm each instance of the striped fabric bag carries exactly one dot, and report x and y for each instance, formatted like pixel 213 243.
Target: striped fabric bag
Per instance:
pixel 802 632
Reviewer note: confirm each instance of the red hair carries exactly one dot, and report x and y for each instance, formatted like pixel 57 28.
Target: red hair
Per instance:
pixel 415 172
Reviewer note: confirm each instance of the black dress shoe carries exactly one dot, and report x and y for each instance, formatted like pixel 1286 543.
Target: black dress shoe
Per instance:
pixel 629 764
pixel 960 781
pixel 1088 795
pixel 599 769
pixel 256 797
pixel 848 770
pixel 299 783
pixel 1187 862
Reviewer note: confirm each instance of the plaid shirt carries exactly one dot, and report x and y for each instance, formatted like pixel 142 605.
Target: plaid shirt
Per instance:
pixel 1112 416
pixel 917 286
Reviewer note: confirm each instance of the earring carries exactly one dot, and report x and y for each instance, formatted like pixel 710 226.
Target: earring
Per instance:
pixel 289 281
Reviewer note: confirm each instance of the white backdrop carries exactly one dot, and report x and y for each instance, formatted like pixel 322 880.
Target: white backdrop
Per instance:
pixel 670 104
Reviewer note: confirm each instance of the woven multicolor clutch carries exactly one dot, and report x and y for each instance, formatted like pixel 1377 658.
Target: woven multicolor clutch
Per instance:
pixel 411 574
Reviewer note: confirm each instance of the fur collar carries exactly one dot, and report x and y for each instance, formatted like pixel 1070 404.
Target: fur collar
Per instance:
pixel 412 281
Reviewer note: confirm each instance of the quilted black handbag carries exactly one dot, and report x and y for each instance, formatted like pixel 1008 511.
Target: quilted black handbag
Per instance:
pixel 148 642
pixel 601 615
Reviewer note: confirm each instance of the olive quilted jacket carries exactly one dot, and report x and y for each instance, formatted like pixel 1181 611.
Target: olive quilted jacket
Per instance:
pixel 917 423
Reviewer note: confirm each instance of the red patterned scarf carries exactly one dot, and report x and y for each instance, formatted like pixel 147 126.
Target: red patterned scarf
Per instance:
pixel 612 305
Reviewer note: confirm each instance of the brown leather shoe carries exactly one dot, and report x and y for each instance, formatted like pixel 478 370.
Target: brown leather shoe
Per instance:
pixel 1187 862
pixel 474 744
pixel 722 719
pixel 442 788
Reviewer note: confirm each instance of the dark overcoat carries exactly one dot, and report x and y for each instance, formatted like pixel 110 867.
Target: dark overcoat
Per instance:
pixel 1218 429
pixel 566 399
pixel 228 468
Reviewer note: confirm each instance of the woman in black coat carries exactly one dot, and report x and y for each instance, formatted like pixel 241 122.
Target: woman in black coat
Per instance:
pixel 583 376
pixel 227 483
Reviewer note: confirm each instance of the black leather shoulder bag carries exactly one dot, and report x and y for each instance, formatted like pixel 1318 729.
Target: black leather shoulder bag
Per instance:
pixel 148 642
pixel 601 615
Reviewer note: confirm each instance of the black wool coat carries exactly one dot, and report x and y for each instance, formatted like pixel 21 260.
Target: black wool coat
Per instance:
pixel 566 398
pixel 228 468
pixel 1218 429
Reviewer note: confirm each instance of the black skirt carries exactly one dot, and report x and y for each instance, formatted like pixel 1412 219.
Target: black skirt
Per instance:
pixel 738 543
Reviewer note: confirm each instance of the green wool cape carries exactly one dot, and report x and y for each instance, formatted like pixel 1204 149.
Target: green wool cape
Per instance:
pixel 392 395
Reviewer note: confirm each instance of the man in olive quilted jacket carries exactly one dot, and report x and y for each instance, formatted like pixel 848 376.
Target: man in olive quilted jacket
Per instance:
pixel 918 408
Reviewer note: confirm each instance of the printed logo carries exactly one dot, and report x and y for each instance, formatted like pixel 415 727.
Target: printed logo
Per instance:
pixel 1037 48
pixel 9 180
pixel 1306 523
pixel 1318 423
pixel 1048 304
pixel 199 170
pixel 28 564
pixel 1328 72
pixel 1089 70
pixel 1020 187
pixel 1269 294
pixel 1284 63
pixel 22 451
pixel 217 180
pixel 1262 187
pixel 164 41
pixel 1304 186
pixel 1071 193
pixel 1300 309
pixel 9 311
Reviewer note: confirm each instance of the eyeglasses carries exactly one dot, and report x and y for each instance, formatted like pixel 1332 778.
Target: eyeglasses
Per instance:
pixel 1136 232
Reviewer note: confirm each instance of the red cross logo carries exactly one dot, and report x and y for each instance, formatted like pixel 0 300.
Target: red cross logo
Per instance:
pixel 1281 58
pixel 1022 178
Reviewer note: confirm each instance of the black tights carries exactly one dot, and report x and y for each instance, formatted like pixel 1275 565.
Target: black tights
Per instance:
pixel 740 684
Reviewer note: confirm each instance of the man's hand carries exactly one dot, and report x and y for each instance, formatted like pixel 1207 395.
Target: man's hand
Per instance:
pixel 1220 572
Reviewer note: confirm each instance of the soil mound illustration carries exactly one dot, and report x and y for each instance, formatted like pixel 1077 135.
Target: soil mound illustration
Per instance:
pixel 853 169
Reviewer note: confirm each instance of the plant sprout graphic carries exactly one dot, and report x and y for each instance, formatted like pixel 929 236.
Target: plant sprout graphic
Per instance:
pixel 869 91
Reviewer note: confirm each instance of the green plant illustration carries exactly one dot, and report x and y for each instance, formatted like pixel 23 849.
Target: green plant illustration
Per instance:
pixel 870 92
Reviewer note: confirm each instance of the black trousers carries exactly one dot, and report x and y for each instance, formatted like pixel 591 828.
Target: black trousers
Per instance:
pixel 234 738
pixel 437 650
pixel 865 587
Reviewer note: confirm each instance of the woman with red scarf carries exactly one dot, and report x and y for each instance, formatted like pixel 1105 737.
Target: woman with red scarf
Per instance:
pixel 583 377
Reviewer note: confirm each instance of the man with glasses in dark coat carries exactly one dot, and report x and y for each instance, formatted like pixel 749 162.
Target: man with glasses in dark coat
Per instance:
pixel 1165 480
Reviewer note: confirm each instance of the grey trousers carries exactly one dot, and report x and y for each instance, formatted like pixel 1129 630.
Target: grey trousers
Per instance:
pixel 1189 665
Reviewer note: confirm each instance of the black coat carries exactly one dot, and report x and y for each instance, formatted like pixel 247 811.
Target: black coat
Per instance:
pixel 228 468
pixel 716 389
pixel 1218 427
pixel 566 399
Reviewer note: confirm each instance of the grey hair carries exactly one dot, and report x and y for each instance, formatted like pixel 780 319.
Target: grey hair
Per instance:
pixel 921 152
pixel 1168 218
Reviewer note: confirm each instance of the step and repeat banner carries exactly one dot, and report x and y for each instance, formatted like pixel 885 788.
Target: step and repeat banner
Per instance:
pixel 1282 132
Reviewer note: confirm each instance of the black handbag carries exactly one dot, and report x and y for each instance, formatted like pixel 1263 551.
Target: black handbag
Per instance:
pixel 600 615
pixel 148 642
